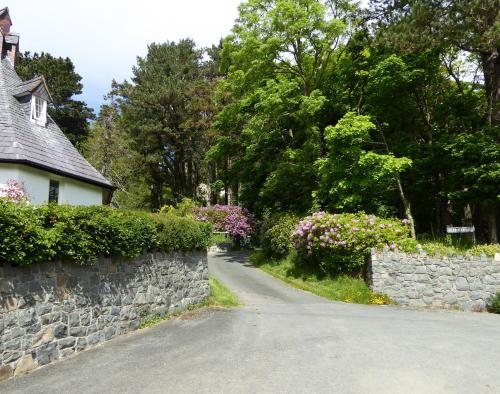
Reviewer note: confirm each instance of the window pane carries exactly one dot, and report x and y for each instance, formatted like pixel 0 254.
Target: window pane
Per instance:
pixel 54 191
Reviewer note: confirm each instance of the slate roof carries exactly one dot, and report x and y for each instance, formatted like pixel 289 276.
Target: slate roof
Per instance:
pixel 22 141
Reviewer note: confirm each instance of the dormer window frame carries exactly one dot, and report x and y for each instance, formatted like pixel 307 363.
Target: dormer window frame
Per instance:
pixel 38 110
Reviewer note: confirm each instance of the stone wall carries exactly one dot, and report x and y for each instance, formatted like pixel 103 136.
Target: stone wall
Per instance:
pixel 50 311
pixel 460 282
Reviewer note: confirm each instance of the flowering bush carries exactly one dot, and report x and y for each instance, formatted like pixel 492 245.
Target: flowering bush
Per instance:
pixel 341 242
pixel 13 191
pixel 233 219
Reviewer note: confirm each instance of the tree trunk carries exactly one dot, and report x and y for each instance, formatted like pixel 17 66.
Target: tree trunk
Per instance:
pixel 407 208
pixel 492 224
pixel 491 71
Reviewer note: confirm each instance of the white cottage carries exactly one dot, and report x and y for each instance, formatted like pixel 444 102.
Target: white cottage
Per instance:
pixel 33 150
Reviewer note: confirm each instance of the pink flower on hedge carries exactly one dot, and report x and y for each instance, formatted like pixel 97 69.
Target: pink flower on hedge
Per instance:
pixel 14 191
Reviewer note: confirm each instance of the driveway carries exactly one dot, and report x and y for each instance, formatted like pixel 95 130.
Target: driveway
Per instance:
pixel 287 341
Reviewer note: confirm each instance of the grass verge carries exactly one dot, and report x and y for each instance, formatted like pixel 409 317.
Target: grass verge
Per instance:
pixel 341 288
pixel 220 296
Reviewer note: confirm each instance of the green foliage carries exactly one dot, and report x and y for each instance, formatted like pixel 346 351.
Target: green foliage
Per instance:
pixel 109 149
pixel 81 234
pixel 176 233
pixel 167 109
pixel 84 233
pixel 340 288
pixel 71 115
pixel 488 249
pixel 23 237
pixel 278 60
pixel 494 304
pixel 340 243
pixel 276 234
pixel 370 173
pixel 220 239
pixel 186 207
pixel 220 295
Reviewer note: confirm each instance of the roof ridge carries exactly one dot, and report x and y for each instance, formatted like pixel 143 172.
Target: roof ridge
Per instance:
pixel 40 77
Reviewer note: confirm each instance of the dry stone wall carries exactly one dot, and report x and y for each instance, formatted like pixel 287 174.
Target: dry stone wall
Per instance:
pixel 460 282
pixel 53 310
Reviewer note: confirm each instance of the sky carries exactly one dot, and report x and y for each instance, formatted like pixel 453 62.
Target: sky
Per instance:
pixel 104 37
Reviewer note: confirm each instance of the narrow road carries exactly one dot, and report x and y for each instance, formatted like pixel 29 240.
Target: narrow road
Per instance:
pixel 287 341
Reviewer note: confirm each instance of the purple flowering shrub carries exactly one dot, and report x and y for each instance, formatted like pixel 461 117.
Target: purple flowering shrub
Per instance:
pixel 233 219
pixel 339 243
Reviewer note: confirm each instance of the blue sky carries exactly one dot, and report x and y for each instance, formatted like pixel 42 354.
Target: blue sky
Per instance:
pixel 103 38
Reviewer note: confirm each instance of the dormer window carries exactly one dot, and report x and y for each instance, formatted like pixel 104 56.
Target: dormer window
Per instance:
pixel 38 110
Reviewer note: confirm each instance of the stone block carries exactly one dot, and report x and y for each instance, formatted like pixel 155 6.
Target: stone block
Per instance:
pixel 46 336
pixel 25 364
pixel 60 330
pixel 6 286
pixel 66 342
pixel 93 339
pixel 81 344
pixel 47 353
pixel 6 372
pixel 74 319
pixel 450 298
pixel 462 284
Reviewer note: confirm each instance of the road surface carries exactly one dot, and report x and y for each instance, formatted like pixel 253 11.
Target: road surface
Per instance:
pixel 284 340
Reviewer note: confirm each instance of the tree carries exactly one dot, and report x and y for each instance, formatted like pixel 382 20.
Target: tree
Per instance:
pixel 370 174
pixel 109 149
pixel 166 109
pixel 472 26
pixel 277 60
pixel 71 115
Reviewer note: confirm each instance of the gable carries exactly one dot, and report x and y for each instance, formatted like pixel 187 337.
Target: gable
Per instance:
pixel 22 141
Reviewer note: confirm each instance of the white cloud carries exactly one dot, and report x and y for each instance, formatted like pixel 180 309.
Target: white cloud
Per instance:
pixel 103 38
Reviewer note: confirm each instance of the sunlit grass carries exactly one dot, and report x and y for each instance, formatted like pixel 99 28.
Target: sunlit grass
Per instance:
pixel 341 288
pixel 220 296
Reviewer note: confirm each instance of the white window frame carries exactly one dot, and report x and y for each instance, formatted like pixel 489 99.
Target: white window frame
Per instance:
pixel 38 111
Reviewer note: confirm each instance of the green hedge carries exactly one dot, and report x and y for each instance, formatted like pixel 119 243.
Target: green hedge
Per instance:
pixel 276 234
pixel 31 234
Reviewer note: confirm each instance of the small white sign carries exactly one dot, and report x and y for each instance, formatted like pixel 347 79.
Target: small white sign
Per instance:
pixel 460 230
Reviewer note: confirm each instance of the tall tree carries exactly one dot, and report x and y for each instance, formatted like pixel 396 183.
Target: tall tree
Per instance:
pixel 277 60
pixel 109 149
pixel 71 115
pixel 454 29
pixel 167 109
pixel 472 26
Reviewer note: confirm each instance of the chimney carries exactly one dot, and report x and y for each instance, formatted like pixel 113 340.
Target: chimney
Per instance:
pixel 9 42
pixel 5 21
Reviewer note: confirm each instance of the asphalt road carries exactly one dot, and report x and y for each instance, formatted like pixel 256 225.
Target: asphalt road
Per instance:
pixel 287 341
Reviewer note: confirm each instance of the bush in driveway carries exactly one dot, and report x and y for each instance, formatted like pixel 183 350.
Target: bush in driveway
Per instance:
pixel 340 243
pixel 230 218
pixel 276 234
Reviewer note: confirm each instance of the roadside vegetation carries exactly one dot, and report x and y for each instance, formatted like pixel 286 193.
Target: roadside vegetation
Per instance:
pixel 340 288
pixel 220 296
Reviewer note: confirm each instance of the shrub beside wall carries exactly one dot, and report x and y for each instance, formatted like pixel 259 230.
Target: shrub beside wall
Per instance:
pixel 30 234
pixel 341 243
pixel 276 234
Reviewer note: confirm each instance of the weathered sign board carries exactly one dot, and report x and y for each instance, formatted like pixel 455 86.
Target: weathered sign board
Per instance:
pixel 460 230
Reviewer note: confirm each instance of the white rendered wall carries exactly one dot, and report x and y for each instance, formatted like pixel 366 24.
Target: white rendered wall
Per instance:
pixel 36 183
